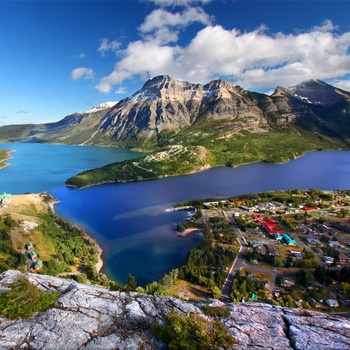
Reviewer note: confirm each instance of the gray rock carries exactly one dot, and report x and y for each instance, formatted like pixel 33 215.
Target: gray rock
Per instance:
pixel 91 317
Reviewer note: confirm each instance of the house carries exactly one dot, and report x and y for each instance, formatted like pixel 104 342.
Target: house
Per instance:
pixel 253 296
pixel 332 302
pixel 29 246
pixel 38 265
pixel 313 302
pixel 333 243
pixel 32 255
pixel 328 260
pixel 313 241
pixel 5 199
pixel 288 240
pixel 287 282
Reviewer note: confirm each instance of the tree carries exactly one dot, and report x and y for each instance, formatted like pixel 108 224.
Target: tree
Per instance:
pixel 216 292
pixel 192 332
pixel 304 278
pixel 131 284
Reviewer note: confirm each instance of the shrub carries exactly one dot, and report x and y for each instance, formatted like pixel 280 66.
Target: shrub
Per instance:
pixel 216 311
pixel 24 299
pixel 192 332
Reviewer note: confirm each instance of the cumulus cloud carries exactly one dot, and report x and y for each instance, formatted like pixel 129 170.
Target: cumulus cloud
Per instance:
pixel 256 59
pixel 164 26
pixel 108 45
pixel 82 72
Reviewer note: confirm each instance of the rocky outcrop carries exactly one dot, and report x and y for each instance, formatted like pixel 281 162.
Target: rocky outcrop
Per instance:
pixel 90 317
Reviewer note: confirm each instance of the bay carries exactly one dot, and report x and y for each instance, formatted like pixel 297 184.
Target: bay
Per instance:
pixel 130 220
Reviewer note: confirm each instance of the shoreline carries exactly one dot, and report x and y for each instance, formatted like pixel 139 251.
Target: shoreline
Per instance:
pixel 188 231
pixel 100 262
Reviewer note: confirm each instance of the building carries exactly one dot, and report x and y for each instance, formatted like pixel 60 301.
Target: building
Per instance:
pixel 32 255
pixel 29 246
pixel 328 260
pixel 287 282
pixel 313 241
pixel 333 243
pixel 332 302
pixel 38 265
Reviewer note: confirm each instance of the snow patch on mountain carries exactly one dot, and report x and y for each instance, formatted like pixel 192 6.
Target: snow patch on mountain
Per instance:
pixel 101 107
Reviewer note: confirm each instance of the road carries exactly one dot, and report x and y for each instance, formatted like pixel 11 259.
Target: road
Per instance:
pixel 239 263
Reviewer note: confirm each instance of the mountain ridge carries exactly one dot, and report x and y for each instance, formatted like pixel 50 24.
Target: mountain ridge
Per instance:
pixel 165 107
pixel 235 126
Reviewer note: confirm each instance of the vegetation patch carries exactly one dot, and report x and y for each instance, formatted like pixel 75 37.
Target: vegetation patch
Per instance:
pixel 25 299
pixel 192 332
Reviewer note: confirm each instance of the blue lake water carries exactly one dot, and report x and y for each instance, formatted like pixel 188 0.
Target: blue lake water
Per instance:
pixel 130 220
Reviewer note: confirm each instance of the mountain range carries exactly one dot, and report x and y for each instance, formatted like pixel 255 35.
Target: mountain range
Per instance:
pixel 234 125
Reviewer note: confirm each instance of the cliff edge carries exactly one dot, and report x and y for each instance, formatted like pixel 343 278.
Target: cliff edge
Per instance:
pixel 91 317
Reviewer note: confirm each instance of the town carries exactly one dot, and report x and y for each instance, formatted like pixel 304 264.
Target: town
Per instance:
pixel 294 247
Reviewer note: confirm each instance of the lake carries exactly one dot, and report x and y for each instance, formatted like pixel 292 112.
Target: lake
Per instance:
pixel 130 220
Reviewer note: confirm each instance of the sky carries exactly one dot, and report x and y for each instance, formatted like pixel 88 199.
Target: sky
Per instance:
pixel 62 57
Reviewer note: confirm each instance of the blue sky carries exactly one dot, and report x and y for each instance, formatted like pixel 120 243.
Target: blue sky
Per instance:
pixel 61 57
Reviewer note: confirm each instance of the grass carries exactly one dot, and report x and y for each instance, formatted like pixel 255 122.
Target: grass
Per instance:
pixel 261 275
pixel 23 209
pixel 284 250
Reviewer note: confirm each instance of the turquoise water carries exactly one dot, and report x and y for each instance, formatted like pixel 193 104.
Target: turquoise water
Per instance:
pixel 130 220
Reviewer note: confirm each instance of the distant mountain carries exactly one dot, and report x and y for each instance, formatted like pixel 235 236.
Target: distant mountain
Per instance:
pixel 233 124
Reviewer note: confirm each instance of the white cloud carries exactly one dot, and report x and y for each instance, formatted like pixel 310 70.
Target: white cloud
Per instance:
pixel 255 59
pixel 22 111
pixel 164 26
pixel 141 59
pixel 121 90
pixel 82 72
pixel 342 84
pixel 107 45
pixel 79 56
pixel 172 3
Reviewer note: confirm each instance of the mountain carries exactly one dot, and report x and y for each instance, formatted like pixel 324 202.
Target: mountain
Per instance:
pixel 166 110
pixel 234 125
pixel 91 317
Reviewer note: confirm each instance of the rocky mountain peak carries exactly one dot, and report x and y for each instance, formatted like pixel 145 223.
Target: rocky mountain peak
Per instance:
pixel 317 92
pixel 91 317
